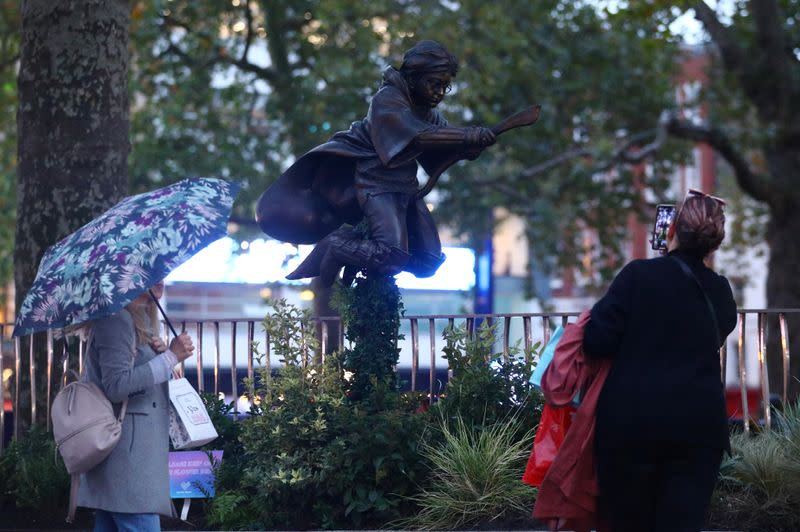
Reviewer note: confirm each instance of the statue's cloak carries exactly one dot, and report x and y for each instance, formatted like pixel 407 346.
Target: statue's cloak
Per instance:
pixel 317 194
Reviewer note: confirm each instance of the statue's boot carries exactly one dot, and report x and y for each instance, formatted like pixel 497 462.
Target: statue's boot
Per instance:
pixel 311 264
pixel 354 253
pixel 424 264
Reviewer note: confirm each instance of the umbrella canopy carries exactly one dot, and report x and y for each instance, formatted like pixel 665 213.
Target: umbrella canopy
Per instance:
pixel 107 263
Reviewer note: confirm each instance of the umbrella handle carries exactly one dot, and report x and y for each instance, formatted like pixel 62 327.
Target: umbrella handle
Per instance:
pixel 163 314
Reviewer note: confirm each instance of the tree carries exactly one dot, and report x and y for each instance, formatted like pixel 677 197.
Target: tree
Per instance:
pixel 72 122
pixel 9 58
pixel 753 103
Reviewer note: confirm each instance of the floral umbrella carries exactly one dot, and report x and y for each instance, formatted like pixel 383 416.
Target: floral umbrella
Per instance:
pixel 107 263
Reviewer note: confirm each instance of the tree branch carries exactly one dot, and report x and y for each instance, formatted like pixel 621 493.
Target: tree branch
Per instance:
pixel 721 35
pixel 249 38
pixel 557 161
pixel 266 74
pixel 756 185
pixel 628 153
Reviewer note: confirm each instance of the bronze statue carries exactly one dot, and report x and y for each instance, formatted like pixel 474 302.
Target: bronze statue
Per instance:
pixel 370 173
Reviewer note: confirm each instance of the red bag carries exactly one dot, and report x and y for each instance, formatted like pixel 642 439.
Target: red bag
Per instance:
pixel 551 431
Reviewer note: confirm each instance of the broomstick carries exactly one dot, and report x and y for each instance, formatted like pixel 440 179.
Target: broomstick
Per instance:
pixel 526 117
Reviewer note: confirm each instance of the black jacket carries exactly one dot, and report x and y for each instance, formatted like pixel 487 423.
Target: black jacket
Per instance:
pixel 664 385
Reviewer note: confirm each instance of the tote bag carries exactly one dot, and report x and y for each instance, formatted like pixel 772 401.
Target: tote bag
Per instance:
pixel 189 422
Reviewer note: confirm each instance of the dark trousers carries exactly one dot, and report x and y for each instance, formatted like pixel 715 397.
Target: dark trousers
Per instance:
pixel 658 489
pixel 401 221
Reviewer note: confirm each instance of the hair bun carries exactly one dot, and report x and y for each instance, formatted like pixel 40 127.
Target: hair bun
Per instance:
pixel 700 225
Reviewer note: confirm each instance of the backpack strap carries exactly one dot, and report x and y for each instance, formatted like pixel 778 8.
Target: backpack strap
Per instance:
pixel 689 273
pixel 89 339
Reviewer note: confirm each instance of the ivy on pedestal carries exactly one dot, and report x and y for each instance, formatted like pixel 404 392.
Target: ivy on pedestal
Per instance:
pixel 371 311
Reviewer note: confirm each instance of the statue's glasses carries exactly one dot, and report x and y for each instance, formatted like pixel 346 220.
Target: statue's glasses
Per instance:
pixel 438 85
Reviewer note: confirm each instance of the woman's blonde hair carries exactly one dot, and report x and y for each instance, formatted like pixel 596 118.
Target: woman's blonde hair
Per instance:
pixel 145 320
pixel 145 323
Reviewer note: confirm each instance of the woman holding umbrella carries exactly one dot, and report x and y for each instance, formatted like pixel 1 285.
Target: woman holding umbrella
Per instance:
pixel 106 278
pixel 131 487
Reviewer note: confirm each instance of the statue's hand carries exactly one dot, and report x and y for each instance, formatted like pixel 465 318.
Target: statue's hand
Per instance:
pixel 479 137
pixel 486 137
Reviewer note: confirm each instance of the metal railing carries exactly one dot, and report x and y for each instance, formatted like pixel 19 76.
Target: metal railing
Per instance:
pixel 230 339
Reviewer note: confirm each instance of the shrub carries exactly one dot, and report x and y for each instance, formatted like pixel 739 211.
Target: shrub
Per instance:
pixel 488 387
pixel 312 458
pixel 759 487
pixel 34 484
pixel 475 477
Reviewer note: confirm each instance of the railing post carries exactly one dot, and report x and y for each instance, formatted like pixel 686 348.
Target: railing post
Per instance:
pixel 81 348
pixel 65 363
pixel 216 358
pixel 323 344
pixel 785 350
pixel 199 358
pixel 451 322
pixel 545 329
pixel 723 361
pixel 303 346
pixel 526 331
pixel 432 376
pixel 251 337
pixel 267 359
pixel 234 388
pixel 743 374
pixel 183 362
pixel 506 335
pixel 49 372
pixel 762 364
pixel 414 352
pixel 470 324
pixel 32 361
pixel 17 371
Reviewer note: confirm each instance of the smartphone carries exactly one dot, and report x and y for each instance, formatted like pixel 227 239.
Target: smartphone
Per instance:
pixel 664 215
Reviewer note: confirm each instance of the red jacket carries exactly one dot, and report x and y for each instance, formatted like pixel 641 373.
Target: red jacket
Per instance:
pixel 569 489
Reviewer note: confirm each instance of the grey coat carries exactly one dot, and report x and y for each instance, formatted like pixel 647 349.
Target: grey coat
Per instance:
pixel 135 476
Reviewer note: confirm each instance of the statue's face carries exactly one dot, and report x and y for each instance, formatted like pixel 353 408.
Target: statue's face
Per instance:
pixel 429 89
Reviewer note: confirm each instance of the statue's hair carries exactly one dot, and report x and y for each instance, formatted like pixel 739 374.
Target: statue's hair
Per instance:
pixel 428 56
pixel 700 225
